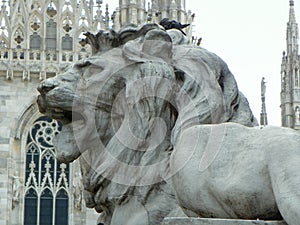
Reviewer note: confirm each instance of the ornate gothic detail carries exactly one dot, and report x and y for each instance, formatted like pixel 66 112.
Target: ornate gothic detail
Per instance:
pixel 290 76
pixel 46 179
pixel 49 22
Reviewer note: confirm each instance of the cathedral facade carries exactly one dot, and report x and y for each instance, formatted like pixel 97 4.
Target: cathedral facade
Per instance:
pixel 38 39
pixel 290 75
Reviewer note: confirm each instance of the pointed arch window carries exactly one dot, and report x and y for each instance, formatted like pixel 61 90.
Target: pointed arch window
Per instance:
pixel 35 41
pixel 51 33
pixel 297 78
pixel 30 215
pixel 3 49
pixel 46 199
pixel 67 43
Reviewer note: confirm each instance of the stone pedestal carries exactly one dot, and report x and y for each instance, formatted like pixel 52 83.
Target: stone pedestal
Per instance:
pixel 205 221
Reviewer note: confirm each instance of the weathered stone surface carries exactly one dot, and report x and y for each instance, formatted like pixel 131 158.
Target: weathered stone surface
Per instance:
pixel 137 115
pixel 204 221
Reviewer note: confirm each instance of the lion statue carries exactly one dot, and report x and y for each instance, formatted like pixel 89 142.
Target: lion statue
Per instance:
pixel 161 129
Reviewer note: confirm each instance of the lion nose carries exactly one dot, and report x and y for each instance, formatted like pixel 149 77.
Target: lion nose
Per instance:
pixel 47 85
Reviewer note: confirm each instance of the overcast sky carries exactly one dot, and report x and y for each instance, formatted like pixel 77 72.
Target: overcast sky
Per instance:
pixel 250 36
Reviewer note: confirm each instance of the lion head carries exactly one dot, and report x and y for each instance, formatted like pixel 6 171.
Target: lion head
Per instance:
pixel 123 109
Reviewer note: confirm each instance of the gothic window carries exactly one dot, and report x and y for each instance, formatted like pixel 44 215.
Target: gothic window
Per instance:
pixel 30 207
pixel 3 49
pixel 46 200
pixel 67 24
pixel 297 77
pixel 18 53
pixel 35 23
pixel 19 36
pixel 51 30
pixel 35 41
pixel 67 43
pixel 51 9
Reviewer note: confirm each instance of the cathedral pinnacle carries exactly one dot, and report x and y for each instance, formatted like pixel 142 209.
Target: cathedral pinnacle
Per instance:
pixel 292 16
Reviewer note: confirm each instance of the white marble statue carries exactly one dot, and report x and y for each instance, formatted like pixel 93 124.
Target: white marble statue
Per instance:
pixel 161 129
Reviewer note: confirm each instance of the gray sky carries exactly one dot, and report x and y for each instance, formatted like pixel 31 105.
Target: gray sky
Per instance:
pixel 250 36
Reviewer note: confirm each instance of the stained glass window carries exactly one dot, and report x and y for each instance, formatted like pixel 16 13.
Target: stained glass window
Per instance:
pixel 46 199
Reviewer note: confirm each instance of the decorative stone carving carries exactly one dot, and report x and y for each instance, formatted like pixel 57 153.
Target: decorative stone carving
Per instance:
pixel 77 191
pixel 137 116
pixel 15 189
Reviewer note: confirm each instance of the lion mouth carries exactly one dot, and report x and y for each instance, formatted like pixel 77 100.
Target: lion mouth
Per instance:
pixel 65 116
pixel 73 122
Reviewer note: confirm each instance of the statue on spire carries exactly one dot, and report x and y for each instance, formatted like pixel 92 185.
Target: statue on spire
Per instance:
pixel 263 114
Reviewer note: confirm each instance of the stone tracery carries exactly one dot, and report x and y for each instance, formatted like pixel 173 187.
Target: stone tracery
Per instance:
pixel 45 179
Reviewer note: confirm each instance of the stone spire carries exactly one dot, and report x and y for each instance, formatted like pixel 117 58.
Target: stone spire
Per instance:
pixel 292 31
pixel 151 11
pixel 263 114
pixel 290 74
pixel 292 11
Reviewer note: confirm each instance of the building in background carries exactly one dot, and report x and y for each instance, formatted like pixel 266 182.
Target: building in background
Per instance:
pixel 290 76
pixel 136 12
pixel 38 39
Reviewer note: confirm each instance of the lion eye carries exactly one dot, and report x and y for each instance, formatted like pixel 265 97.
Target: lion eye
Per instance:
pixel 71 77
pixel 83 64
